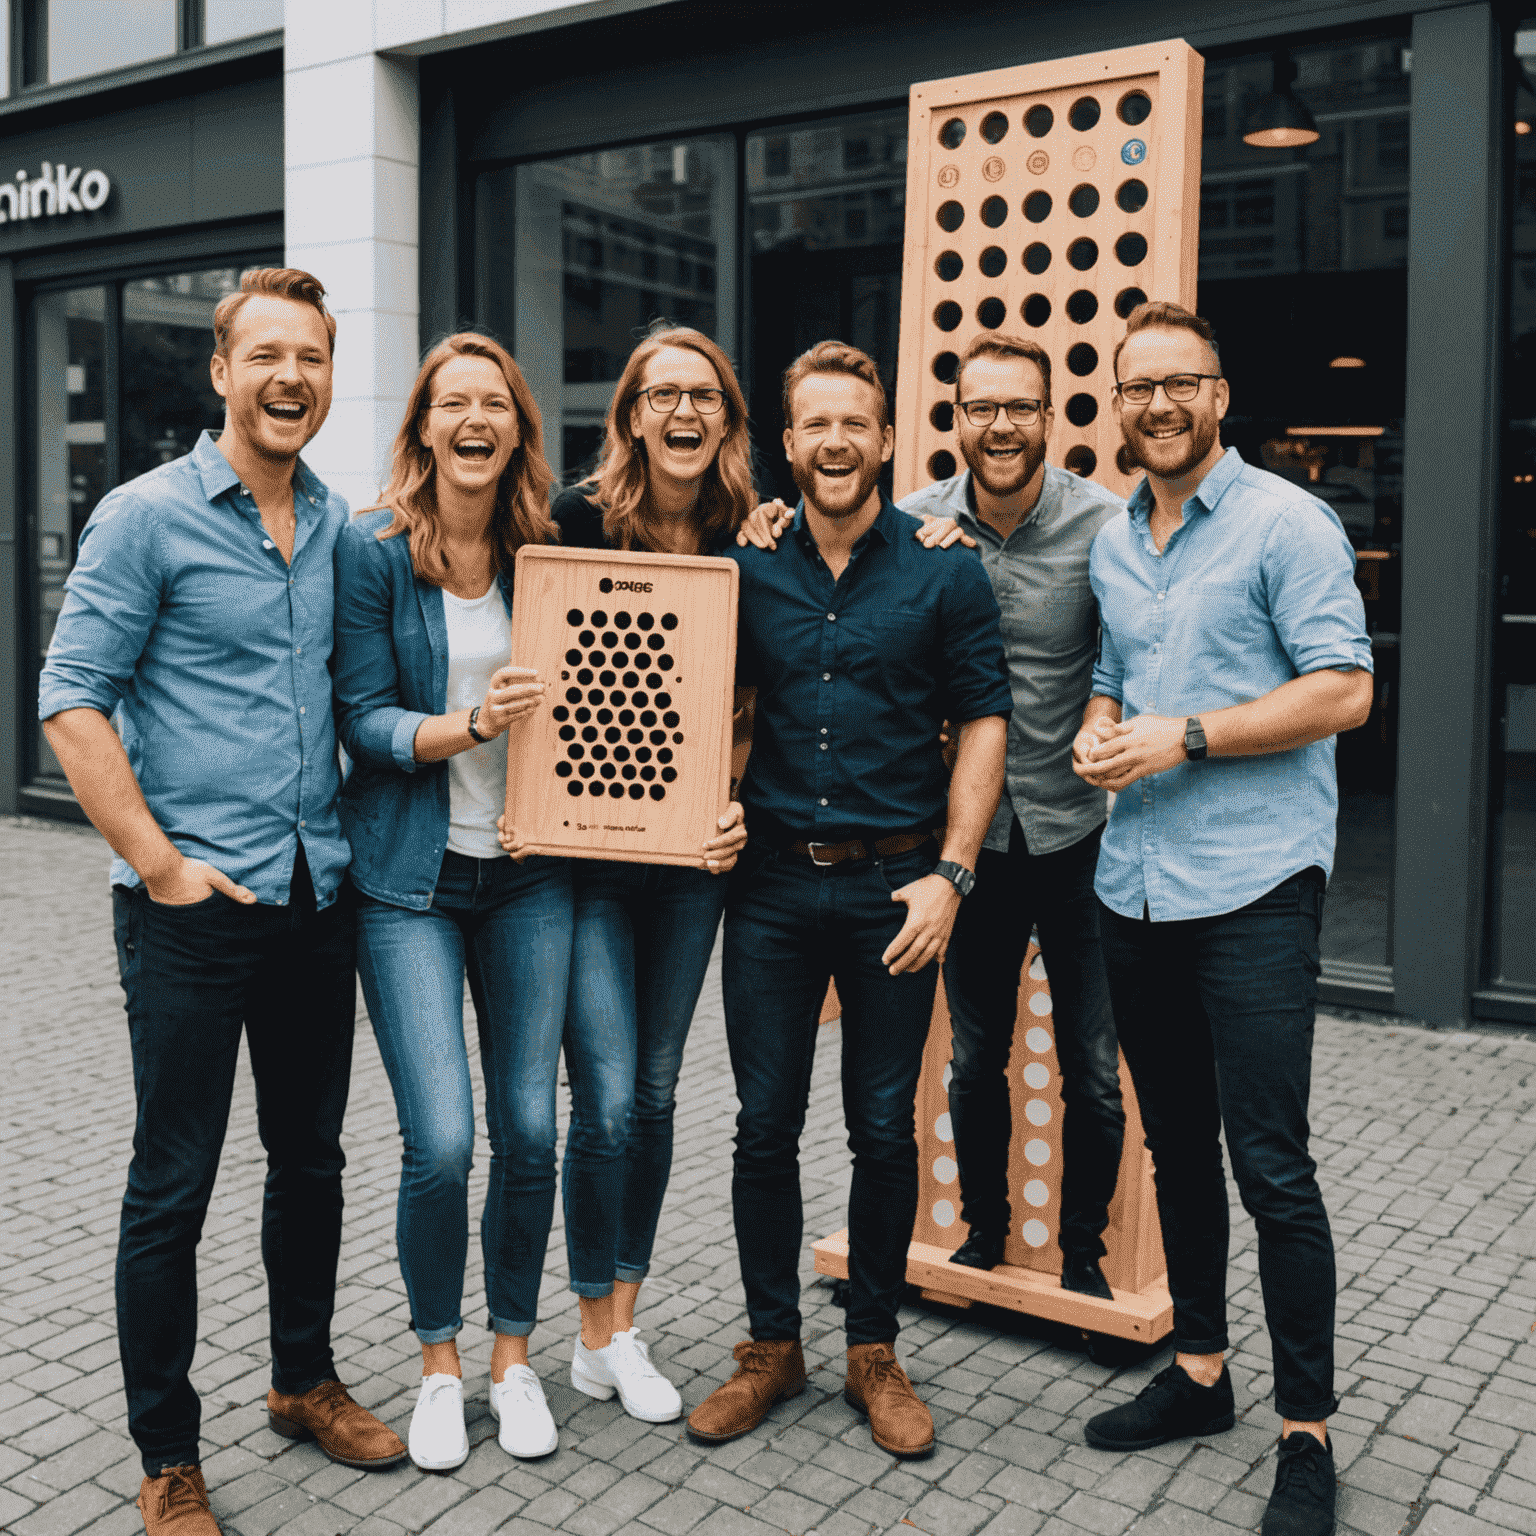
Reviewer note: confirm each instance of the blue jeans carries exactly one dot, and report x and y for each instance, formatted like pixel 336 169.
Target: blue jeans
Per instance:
pixel 644 933
pixel 789 927
pixel 1215 1016
pixel 509 927
pixel 192 978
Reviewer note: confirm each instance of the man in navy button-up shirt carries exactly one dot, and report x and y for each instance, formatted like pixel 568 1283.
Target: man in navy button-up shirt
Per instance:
pixel 1233 649
pixel 199 615
pixel 860 643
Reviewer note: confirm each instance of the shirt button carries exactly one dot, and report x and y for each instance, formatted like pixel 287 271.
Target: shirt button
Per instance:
pixel 245 490
pixel 301 709
pixel 266 543
pixel 1161 596
pixel 826 677
pixel 831 618
pixel 823 746
pixel 298 650
pixel 301 824
pixel 823 730
pixel 823 802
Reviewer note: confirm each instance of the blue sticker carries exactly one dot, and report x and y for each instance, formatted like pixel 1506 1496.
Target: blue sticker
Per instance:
pixel 1133 151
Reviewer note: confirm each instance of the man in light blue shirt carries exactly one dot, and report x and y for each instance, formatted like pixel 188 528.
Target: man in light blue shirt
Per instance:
pixel 1233 650
pixel 199 615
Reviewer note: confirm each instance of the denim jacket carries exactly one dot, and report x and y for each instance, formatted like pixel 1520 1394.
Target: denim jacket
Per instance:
pixel 391 673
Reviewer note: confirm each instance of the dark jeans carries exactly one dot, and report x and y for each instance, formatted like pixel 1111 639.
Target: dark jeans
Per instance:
pixel 789 927
pixel 508 928
pixel 644 933
pixel 1014 892
pixel 1215 1017
pixel 193 976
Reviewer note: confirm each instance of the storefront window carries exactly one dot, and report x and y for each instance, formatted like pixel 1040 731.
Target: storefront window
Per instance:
pixel 227 19
pixel 92 432
pixel 606 243
pixel 87 37
pixel 1513 864
pixel 826 210
pixel 1303 272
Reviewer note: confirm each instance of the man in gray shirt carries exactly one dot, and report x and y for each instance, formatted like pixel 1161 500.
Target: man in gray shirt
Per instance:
pixel 1034 524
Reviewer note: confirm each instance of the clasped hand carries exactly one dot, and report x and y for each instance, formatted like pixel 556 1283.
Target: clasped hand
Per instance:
pixel 1115 754
pixel 515 693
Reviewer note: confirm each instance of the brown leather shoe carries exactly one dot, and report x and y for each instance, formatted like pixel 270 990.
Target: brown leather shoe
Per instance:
pixel 767 1372
pixel 347 1432
pixel 879 1389
pixel 176 1503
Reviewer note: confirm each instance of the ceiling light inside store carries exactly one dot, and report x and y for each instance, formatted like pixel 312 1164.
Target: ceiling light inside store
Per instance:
pixel 1347 362
pixel 1280 120
pixel 1521 126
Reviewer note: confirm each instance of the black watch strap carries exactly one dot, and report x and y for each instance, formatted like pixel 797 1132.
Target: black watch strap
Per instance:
pixel 957 874
pixel 474 715
pixel 1194 739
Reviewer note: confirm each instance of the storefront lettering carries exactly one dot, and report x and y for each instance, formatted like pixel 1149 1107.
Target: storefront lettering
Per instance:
pixel 57 190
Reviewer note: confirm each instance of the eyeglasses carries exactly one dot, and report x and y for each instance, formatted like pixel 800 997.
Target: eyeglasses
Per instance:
pixel 1177 386
pixel 457 405
pixel 982 413
pixel 665 398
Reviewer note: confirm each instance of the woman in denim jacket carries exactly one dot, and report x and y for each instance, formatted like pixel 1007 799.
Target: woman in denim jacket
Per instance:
pixel 424 698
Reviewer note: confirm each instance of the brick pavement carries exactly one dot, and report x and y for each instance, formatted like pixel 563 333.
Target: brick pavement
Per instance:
pixel 1426 1145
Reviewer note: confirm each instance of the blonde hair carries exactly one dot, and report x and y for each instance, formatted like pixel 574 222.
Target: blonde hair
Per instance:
pixel 621 484
pixel 522 494
pixel 284 283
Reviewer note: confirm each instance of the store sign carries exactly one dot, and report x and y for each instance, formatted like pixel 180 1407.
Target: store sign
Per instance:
pixel 57 191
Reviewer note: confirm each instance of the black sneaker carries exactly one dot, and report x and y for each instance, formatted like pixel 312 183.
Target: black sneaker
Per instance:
pixel 1172 1406
pixel 1305 1489
pixel 983 1249
pixel 1080 1272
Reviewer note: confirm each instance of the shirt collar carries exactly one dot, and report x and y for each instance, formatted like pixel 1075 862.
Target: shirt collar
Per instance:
pixel 962 502
pixel 1207 494
pixel 218 475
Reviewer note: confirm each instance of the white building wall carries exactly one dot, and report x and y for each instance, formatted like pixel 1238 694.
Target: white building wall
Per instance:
pixel 351 149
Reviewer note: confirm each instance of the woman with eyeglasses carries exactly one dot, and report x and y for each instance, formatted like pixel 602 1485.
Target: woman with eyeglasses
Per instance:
pixel 424 699
pixel 674 477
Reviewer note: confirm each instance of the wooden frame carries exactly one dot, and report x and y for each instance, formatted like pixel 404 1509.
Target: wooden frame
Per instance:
pixel 653 763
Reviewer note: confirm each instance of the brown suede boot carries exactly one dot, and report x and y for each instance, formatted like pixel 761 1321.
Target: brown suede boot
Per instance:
pixel 879 1389
pixel 766 1373
pixel 347 1432
pixel 176 1504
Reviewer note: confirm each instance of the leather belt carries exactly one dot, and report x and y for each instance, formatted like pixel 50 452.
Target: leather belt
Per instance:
pixel 825 854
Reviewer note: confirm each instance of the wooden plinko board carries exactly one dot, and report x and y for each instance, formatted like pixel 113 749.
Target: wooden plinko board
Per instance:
pixel 630 757
pixel 1046 201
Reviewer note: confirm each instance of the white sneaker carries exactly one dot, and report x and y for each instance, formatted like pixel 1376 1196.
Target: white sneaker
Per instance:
pixel 625 1367
pixel 517 1404
pixel 437 1439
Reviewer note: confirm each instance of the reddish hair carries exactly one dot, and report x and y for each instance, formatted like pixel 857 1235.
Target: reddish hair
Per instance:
pixel 621 481
pixel 1164 315
pixel 522 494
pixel 833 357
pixel 283 283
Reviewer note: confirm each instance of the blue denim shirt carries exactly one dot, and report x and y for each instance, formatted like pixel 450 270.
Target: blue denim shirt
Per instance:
pixel 391 674
pixel 1254 588
pixel 181 618
pixel 855 677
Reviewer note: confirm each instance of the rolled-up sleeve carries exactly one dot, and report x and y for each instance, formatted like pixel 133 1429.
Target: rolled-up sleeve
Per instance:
pixel 1308 569
pixel 976 669
pixel 370 720
pixel 112 598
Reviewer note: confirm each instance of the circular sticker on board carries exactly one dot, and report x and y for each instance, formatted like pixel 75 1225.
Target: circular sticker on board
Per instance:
pixel 1133 151
pixel 993 168
pixel 1084 158
pixel 949 175
pixel 1038 163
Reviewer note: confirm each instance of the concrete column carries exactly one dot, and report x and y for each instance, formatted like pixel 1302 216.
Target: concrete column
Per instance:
pixel 351 132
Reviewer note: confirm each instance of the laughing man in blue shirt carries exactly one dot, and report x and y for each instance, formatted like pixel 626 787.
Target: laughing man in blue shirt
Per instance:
pixel 860 644
pixel 199 614
pixel 1233 650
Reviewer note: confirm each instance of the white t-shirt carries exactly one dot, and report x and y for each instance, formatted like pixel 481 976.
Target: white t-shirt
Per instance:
pixel 479 642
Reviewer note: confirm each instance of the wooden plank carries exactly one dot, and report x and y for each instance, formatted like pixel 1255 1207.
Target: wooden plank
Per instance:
pixel 1145 1316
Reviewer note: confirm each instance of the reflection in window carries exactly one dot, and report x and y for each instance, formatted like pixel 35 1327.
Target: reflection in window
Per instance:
pixel 607 243
pixel 227 19
pixel 1513 797
pixel 88 37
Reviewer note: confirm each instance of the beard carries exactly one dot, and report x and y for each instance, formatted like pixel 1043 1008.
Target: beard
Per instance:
pixel 1158 457
pixel 1004 479
pixel 843 498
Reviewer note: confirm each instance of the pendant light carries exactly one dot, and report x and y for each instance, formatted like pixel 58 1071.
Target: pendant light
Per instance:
pixel 1280 120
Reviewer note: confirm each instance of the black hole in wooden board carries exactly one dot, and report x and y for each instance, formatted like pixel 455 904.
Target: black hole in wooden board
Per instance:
pixel 1131 248
pixel 948 315
pixel 950 216
pixel 952 134
pixel 1082 254
pixel 993 212
pixel 1084 114
pixel 574 616
pixel 994 127
pixel 941 465
pixel 1127 300
pixel 1037 258
pixel 1039 121
pixel 1082 306
pixel 949 266
pixel 1037 207
pixel 1081 409
pixel 1081 459
pixel 992 261
pixel 1135 107
pixel 1131 196
pixel 1037 309
pixel 942 416
pixel 991 313
pixel 1082 360
pixel 1084 201
pixel 944 366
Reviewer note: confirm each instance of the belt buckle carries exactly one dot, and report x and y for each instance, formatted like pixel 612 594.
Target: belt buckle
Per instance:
pixel 812 847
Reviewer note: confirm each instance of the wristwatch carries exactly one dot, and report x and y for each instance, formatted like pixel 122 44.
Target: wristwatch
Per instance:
pixel 474 715
pixel 957 874
pixel 1194 739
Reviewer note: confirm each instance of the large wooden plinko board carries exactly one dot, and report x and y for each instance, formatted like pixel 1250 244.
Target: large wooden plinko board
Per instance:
pixel 1046 201
pixel 630 756
pixel 1029 1279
